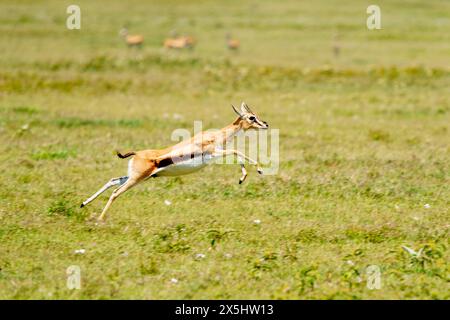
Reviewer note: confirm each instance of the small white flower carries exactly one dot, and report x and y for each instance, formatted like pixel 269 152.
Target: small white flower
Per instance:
pixel 397 207
pixel 174 280
pixel 257 221
pixel 350 262
pixel 25 126
pixel 167 202
pixel 200 256
pixel 80 251
pixel 228 255
pixel 416 218
pixel 427 206
pixel 359 279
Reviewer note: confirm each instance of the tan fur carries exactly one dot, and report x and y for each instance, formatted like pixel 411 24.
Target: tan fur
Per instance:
pixel 134 40
pixel 232 44
pixel 179 42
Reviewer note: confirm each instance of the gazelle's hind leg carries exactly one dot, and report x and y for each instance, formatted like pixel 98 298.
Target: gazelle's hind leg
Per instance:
pixel 113 182
pixel 129 184
pixel 138 170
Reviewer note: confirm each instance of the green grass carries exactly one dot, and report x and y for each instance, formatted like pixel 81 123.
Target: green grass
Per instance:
pixel 364 145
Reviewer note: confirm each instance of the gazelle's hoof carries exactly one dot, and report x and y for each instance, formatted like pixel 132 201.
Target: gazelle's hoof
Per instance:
pixel 242 179
pixel 82 205
pixel 259 171
pixel 100 222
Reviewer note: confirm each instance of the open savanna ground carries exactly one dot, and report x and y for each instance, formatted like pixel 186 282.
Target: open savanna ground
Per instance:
pixel 364 148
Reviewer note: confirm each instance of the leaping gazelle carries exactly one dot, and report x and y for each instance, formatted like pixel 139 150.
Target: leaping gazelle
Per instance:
pixel 183 158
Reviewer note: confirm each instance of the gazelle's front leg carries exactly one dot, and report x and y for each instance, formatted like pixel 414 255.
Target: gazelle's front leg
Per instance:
pixel 241 157
pixel 239 154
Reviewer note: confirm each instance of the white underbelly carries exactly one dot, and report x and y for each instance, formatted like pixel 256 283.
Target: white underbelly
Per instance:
pixel 183 167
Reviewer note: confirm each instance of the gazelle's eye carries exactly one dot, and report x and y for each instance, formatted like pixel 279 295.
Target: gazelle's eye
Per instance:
pixel 251 118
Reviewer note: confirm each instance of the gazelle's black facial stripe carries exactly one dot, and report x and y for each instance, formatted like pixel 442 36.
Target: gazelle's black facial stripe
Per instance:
pixel 253 119
pixel 259 122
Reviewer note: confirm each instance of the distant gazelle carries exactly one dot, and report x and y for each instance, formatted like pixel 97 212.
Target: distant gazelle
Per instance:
pixel 132 40
pixel 185 157
pixel 232 44
pixel 179 42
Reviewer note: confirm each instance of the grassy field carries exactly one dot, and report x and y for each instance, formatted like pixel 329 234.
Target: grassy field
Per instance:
pixel 364 150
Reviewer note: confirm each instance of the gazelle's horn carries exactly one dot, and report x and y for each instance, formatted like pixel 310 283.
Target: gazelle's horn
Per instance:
pixel 237 112
pixel 248 108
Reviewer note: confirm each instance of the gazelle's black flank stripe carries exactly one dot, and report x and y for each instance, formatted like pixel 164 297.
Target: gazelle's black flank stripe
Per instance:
pixel 174 160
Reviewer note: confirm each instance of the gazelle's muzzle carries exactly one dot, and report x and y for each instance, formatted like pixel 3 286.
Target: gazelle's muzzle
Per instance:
pixel 263 125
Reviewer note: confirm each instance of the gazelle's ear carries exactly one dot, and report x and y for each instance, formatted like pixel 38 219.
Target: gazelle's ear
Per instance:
pixel 237 112
pixel 243 107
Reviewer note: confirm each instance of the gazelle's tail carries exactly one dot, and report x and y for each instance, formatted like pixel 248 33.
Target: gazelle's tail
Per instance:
pixel 126 155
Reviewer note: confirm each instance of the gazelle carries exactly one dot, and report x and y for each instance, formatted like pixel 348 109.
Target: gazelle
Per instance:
pixel 183 158
pixel 134 40
pixel 179 42
pixel 232 44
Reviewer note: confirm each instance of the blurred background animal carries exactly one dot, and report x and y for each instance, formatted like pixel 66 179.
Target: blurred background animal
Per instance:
pixel 132 40
pixel 336 45
pixel 232 44
pixel 179 42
